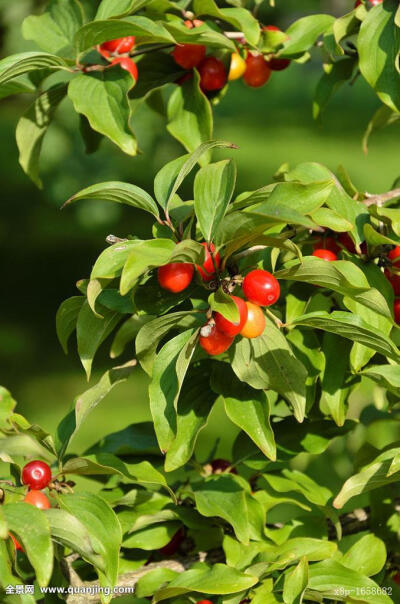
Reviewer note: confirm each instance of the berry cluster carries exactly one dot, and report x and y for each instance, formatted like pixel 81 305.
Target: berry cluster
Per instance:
pixel 37 476
pixel 260 288
pixel 117 53
pixel 252 66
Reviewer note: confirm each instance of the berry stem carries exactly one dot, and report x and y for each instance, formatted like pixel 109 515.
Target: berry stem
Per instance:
pixel 275 319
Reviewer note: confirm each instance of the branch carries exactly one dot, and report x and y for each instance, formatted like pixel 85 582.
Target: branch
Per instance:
pixel 380 199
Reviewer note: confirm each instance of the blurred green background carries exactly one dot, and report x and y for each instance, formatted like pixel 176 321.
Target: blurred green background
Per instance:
pixel 44 251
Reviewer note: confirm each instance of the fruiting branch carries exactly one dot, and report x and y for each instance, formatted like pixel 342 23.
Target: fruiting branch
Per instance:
pixel 381 198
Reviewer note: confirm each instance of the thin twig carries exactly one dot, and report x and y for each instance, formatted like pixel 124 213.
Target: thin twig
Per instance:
pixel 381 198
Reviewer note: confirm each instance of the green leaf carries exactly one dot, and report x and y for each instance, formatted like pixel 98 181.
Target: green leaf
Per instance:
pixel 7 405
pixel 349 326
pixel 240 18
pixel 66 319
pixel 373 476
pixel 341 276
pixel 303 33
pixel 32 128
pixel 86 402
pixel 145 256
pixel 136 439
pixel 190 118
pixel 248 409
pixel 335 75
pixel 156 70
pixel 102 98
pixel 367 555
pixel 32 530
pixel 387 376
pixel 25 62
pixel 152 537
pixel 329 219
pixel 152 333
pixel 169 371
pixel 378 47
pixel 195 403
pixel 91 331
pixel 33 430
pixel 204 34
pixel 222 496
pixel 213 189
pixel 118 192
pixel 103 527
pixel 153 581
pixel 309 197
pixel 268 363
pixel 118 8
pixel 188 251
pixel 219 579
pixel 100 31
pixel 332 579
pixel 54 30
pixel 127 332
pixel 296 583
pixel 111 261
pixel 384 116
pixel 224 304
pixel 19 85
pixel 333 391
pixel 293 480
pixel 104 464
pixel 68 530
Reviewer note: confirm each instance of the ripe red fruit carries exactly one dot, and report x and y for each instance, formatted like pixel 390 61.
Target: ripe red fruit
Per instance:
pixel 396 310
pixel 38 499
pixel 176 276
pixel 348 243
pixel 36 474
pixel 127 64
pixel 327 243
pixel 396 578
pixel 207 269
pixel 204 602
pixel 394 281
pixel 119 45
pixel 261 287
pixel 189 55
pixel 271 28
pixel 221 465
pixel 17 544
pixel 216 342
pixel 173 546
pixel 394 255
pixel 255 323
pixel 229 328
pixel 277 64
pixel 257 71
pixel 325 255
pixel 213 74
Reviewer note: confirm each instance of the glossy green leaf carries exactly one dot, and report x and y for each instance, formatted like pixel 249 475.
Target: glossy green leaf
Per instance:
pixel 303 33
pixel 118 192
pixel 333 390
pixel 169 371
pixel 101 97
pixel 213 189
pixel 378 46
pixel 33 531
pixel 268 362
pixel 145 256
pixel 111 261
pixel 240 18
pixel 222 303
pixel 367 556
pixel 118 8
pixel 190 118
pixel 54 30
pixel 295 583
pixel 66 319
pixel 25 62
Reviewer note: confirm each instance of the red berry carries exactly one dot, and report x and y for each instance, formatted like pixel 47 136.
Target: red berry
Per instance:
pixel 394 281
pixel 348 244
pixel 261 288
pixel 216 342
pixel 325 255
pixel 38 499
pixel 207 269
pixel 173 546
pixel 204 602
pixel 119 45
pixel 396 310
pixel 257 71
pixel 327 243
pixel 396 578
pixel 229 328
pixel 271 28
pixel 357 3
pixel 17 544
pixel 36 474
pixel 221 465
pixel 213 74
pixel 255 323
pixel 277 64
pixel 127 64
pixel 394 255
pixel 176 276
pixel 189 55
